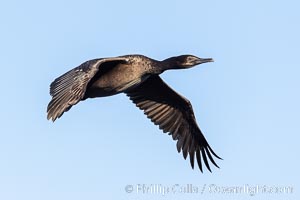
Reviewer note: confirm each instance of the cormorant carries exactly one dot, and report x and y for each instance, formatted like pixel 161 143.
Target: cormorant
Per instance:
pixel 138 77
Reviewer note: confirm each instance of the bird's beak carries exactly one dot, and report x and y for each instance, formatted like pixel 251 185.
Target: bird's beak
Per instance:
pixel 203 60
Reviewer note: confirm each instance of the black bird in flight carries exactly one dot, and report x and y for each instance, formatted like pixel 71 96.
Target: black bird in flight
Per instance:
pixel 138 77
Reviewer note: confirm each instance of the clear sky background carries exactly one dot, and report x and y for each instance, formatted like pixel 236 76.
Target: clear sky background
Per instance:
pixel 246 102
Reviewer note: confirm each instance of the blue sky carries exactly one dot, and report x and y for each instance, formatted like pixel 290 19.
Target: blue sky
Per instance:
pixel 246 102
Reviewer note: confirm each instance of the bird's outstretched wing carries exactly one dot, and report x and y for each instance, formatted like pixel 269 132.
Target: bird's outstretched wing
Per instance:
pixel 174 114
pixel 68 89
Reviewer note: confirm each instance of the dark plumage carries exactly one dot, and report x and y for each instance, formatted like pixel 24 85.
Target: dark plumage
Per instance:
pixel 138 77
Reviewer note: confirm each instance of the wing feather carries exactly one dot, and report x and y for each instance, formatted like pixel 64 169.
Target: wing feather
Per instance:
pixel 174 115
pixel 68 89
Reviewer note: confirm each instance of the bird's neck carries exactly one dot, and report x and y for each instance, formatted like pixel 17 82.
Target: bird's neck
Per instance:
pixel 169 63
pixel 159 67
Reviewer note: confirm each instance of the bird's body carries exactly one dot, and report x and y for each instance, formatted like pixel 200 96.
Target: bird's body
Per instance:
pixel 138 77
pixel 122 76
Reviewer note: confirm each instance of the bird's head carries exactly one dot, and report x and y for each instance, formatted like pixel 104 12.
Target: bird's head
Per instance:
pixel 187 61
pixel 183 62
